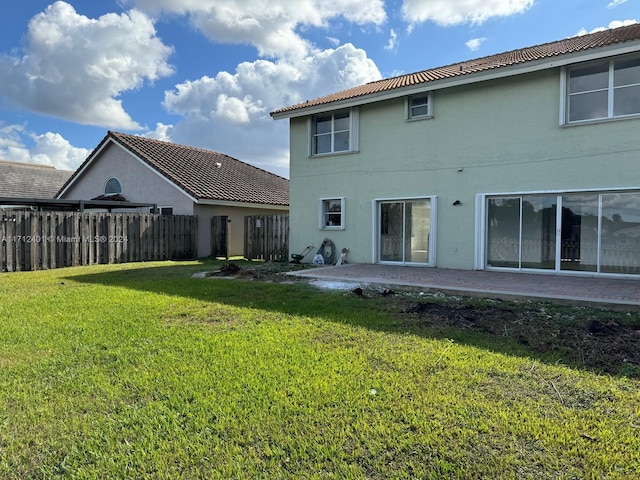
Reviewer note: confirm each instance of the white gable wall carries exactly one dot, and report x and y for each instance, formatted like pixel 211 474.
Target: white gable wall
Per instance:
pixel 140 183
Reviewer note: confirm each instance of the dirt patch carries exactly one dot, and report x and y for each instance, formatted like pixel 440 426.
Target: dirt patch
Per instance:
pixel 266 272
pixel 605 341
pixel 229 269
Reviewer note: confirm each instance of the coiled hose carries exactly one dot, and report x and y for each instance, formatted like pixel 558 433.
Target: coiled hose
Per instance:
pixel 328 251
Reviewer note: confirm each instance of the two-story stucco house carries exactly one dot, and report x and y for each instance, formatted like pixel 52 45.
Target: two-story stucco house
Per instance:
pixel 525 160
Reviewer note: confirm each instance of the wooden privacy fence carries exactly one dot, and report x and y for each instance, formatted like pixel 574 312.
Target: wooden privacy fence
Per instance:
pixel 43 240
pixel 219 236
pixel 266 237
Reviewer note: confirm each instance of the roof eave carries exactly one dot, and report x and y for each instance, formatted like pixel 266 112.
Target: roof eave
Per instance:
pixel 38 201
pixel 230 203
pixel 559 60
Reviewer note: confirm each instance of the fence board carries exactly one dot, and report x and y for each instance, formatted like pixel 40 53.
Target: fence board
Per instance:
pixel 266 237
pixel 219 236
pixel 18 246
pixel 10 229
pixel 42 240
pixel 3 234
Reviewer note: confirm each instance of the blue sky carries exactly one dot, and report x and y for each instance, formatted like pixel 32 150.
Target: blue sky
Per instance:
pixel 207 73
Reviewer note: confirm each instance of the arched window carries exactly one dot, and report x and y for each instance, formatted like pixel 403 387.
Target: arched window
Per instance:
pixel 112 187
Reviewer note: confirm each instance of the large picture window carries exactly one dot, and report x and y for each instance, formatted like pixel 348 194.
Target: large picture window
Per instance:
pixel 609 89
pixel 571 232
pixel 334 132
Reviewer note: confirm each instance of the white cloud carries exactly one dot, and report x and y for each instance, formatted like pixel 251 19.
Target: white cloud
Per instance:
pixel 271 28
pixel 162 132
pixel 393 40
pixel 74 67
pixel 11 146
pixel 258 87
pixel 454 12
pixel 53 149
pixel 474 43
pixel 230 112
pixel 395 73
pixel 615 3
pixel 613 24
pixel 45 149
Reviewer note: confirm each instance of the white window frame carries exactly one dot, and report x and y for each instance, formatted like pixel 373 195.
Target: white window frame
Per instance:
pixel 322 223
pixel 161 210
pixel 566 93
pixel 480 252
pixel 433 228
pixel 354 120
pixel 407 107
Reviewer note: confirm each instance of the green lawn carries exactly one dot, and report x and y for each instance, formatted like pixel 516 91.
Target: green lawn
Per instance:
pixel 140 371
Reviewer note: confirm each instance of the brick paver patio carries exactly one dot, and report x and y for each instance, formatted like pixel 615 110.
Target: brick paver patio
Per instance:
pixel 567 288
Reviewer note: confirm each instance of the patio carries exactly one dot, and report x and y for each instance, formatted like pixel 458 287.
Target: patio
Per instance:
pixel 604 291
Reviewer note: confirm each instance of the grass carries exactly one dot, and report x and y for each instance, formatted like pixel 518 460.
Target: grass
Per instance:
pixel 140 371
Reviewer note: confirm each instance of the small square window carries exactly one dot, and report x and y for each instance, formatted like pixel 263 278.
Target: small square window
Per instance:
pixel 419 106
pixel 332 213
pixel 162 211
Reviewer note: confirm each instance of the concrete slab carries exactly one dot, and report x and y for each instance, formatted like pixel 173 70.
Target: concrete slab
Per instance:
pixel 574 289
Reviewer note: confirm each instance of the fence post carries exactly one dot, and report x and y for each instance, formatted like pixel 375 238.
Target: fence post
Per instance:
pixel 3 243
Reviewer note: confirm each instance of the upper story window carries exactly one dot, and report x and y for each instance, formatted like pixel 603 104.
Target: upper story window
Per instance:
pixel 112 187
pixel 419 106
pixel 602 90
pixel 334 132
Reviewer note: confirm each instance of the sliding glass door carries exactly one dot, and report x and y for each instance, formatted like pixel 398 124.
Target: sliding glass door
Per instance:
pixel 579 233
pixel 620 233
pixel 584 232
pixel 404 228
pixel 521 232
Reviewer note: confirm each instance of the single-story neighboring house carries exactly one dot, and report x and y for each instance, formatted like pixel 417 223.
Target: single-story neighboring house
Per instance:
pixel 180 180
pixel 527 160
pixel 30 180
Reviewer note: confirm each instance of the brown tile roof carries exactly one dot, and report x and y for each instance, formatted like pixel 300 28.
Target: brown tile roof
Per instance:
pixel 29 180
pixel 203 174
pixel 500 60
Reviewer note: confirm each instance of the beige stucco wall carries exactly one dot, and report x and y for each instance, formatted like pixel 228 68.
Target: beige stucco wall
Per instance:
pixel 503 134
pixel 236 225
pixel 140 184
